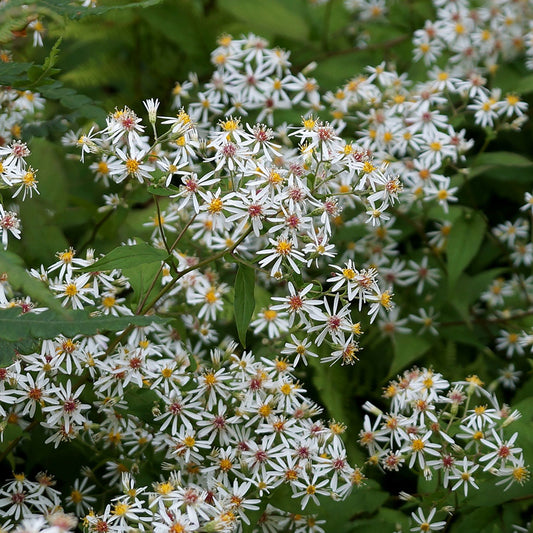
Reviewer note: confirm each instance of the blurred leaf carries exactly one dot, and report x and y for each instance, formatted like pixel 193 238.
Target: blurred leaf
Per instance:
pixel 244 301
pixel 11 72
pixel 407 349
pixel 334 386
pixel 501 159
pixel 464 241
pixel 141 401
pixel 478 520
pixel 20 280
pixel 468 289
pixel 274 17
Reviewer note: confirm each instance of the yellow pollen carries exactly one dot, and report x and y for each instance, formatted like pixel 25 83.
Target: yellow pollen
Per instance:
pixel 132 165
pixel 345 188
pixel 103 168
pixel 284 248
pixel 210 379
pixel 211 297
pixel 337 428
pixel 180 141
pixel 66 257
pixel 348 273
pixel 269 315
pixel 71 290
pixel 368 167
pixel 109 302
pixel 442 194
pixel 286 389
pixel 164 488
pixel 264 410
pixel 189 441
pixel 215 206
pixel 386 299
pixel 29 179
pixel 417 445
pixel 166 372
pixel 436 146
pixel 230 125
pixel 121 509
pixel 76 496
pixel 520 474
pixel 309 124
pixel 225 465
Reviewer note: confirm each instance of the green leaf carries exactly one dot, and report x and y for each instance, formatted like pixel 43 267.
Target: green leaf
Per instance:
pixel 275 17
pixel 501 159
pixel 464 241
pixel 469 288
pixel 162 191
pixel 10 73
pixel 244 302
pixel 128 257
pixel 16 327
pixel 141 277
pixel 20 280
pixel 407 348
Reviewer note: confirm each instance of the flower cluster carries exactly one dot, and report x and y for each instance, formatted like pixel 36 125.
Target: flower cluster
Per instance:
pixel 227 429
pixel 456 432
pixel 15 172
pixel 183 431
pixel 475 37
pixel 249 78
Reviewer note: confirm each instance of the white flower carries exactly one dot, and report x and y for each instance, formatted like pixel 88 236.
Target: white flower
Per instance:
pixel 424 524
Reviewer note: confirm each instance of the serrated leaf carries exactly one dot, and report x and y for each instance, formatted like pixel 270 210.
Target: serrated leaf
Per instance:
pixel 20 280
pixel 464 241
pixel 11 72
pixel 407 349
pixel 16 327
pixel 244 302
pixel 128 257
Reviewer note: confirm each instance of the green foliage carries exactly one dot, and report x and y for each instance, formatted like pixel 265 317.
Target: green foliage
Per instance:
pixel 244 302
pixel 17 329
pixel 464 241
pixel 12 265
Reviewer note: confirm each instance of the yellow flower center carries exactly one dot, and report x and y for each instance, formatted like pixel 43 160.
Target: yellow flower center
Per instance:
pixel 215 205
pixel 71 290
pixel 132 165
pixel 109 302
